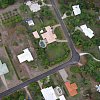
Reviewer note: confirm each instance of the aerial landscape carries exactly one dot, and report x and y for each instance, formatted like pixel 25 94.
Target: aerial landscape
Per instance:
pixel 49 49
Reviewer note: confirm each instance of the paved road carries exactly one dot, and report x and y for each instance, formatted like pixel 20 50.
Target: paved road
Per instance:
pixel 75 55
pixel 74 60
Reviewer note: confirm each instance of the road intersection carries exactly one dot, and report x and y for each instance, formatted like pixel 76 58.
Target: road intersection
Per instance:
pixel 75 57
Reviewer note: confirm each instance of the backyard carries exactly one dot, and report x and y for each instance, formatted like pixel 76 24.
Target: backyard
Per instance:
pixel 54 53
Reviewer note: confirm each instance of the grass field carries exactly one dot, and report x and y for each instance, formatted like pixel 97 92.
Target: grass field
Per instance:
pixel 56 51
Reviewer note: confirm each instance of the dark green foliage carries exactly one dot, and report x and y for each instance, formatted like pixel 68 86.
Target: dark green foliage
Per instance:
pixel 75 69
pixel 46 13
pixel 5 3
pixel 92 68
pixel 11 18
pixel 20 95
pixel 35 91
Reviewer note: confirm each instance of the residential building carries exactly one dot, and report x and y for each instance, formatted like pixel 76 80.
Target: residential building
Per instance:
pixel 26 56
pixel 36 35
pixel 30 22
pixel 49 36
pixel 76 9
pixel 50 93
pixel 98 87
pixel 99 47
pixel 3 68
pixel 87 31
pixel 72 88
pixel 34 7
pixel 62 97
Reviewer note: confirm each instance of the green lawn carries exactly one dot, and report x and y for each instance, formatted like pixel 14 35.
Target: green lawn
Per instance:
pixel 56 51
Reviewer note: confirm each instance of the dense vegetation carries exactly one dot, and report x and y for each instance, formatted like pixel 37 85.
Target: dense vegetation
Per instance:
pixel 5 3
pixel 54 53
pixel 10 18
pixel 20 95
pixel 91 68
pixel 89 16
pixel 35 91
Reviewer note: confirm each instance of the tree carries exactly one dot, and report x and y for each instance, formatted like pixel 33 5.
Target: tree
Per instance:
pixel 5 3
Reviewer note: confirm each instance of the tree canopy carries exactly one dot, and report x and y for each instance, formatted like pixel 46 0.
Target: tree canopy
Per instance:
pixel 5 3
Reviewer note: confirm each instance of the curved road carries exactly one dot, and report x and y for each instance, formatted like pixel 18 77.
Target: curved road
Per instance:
pixel 74 59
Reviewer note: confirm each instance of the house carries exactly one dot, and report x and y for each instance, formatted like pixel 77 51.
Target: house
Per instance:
pixel 34 7
pixel 62 97
pixel 72 88
pixel 30 22
pixel 3 68
pixel 50 94
pixel 76 9
pixel 36 35
pixel 49 36
pixel 99 47
pixel 26 56
pixel 87 31
pixel 98 87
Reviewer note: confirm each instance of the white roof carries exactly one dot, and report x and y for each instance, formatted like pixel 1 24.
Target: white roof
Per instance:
pixel 34 7
pixel 99 47
pixel 36 35
pixel 28 3
pixel 88 32
pixel 49 93
pixel 76 9
pixel 41 31
pixel 3 68
pixel 62 97
pixel 30 23
pixel 26 56
pixel 98 87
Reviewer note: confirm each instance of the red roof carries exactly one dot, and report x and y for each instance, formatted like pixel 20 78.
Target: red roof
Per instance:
pixel 71 88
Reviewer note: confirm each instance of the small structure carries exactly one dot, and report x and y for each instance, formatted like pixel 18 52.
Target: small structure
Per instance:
pixel 62 97
pixel 30 22
pixel 26 56
pixel 99 47
pixel 71 88
pixel 49 93
pixel 34 7
pixel 76 9
pixel 36 35
pixel 41 31
pixel 3 68
pixel 58 91
pixel 49 36
pixel 98 87
pixel 88 32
